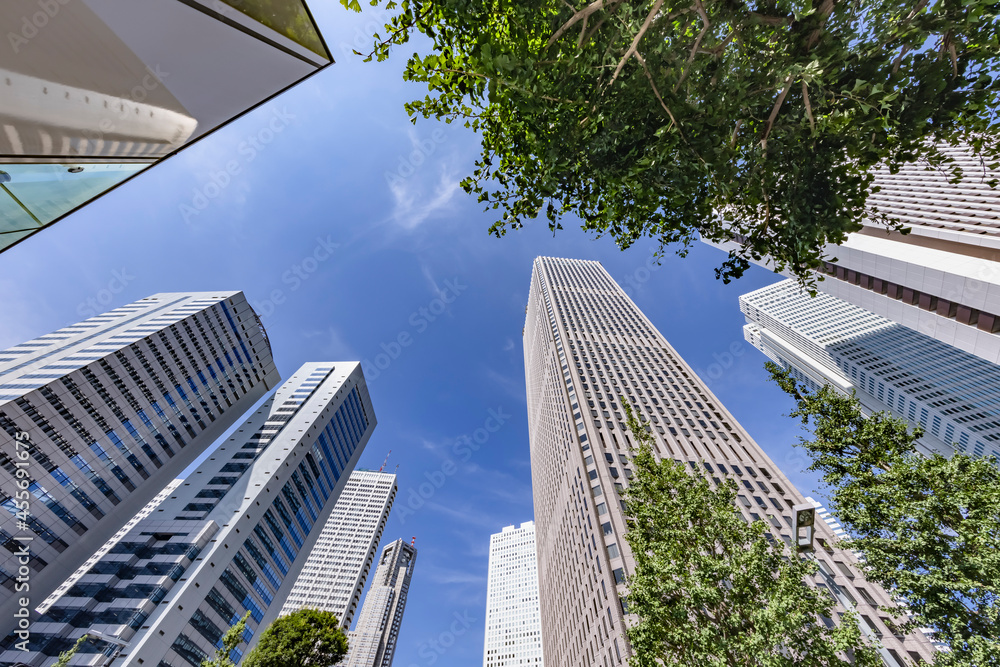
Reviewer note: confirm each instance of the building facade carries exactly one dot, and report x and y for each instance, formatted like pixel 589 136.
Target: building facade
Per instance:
pixel 943 277
pixel 587 346
pixel 95 91
pixel 100 416
pixel 825 340
pixel 513 620
pixel 373 641
pixel 231 540
pixel 115 539
pixel 335 573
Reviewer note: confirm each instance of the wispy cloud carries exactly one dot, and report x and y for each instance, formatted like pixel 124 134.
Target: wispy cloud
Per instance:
pixel 450 576
pixel 467 514
pixel 412 207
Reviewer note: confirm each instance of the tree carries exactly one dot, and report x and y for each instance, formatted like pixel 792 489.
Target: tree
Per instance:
pixel 66 656
pixel 230 640
pixel 710 589
pixel 758 121
pixel 929 527
pixel 303 638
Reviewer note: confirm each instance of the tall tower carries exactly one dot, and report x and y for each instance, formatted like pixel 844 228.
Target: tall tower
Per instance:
pixel 232 539
pixel 109 545
pixel 334 575
pixel 586 347
pixel 373 642
pixel 513 621
pixel 825 340
pixel 103 414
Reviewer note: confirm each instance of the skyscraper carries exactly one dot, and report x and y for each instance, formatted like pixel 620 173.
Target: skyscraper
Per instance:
pixel 513 621
pixel 334 575
pixel 113 409
pixel 231 540
pixel 943 277
pixel 373 642
pixel 824 340
pixel 586 347
pixel 95 91
pixel 115 539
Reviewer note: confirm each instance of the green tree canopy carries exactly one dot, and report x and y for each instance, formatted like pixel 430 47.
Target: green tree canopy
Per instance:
pixel 756 120
pixel 230 640
pixel 710 589
pixel 929 527
pixel 305 638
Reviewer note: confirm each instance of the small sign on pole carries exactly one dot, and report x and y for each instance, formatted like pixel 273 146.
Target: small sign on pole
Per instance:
pixel 804 526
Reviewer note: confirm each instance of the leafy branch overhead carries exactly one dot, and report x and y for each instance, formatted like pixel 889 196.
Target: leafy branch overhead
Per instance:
pixel 757 121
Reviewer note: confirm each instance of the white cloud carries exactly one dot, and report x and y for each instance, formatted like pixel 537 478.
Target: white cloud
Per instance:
pixel 411 205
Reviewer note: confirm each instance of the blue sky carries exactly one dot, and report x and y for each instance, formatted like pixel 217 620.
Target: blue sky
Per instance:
pixel 340 230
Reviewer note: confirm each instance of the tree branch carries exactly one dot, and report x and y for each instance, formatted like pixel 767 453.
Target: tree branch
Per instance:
pixel 899 59
pixel 771 20
pixel 721 46
pixel 673 121
pixel 809 111
pixel 635 42
pixel 774 111
pixel 595 6
pixel 697 43
pixel 824 12
pixel 583 32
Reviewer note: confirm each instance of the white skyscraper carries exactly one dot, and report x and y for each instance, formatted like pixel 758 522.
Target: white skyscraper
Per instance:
pixel 952 394
pixel 513 619
pixel 373 641
pixel 334 575
pixel 104 414
pixel 587 347
pixel 232 538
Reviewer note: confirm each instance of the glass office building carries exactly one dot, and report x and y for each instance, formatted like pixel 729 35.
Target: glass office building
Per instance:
pixel 230 540
pixel 335 573
pixel 102 415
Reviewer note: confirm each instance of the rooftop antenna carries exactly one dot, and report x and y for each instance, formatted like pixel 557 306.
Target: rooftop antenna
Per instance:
pixel 386 461
pixel 396 470
pixel 413 541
